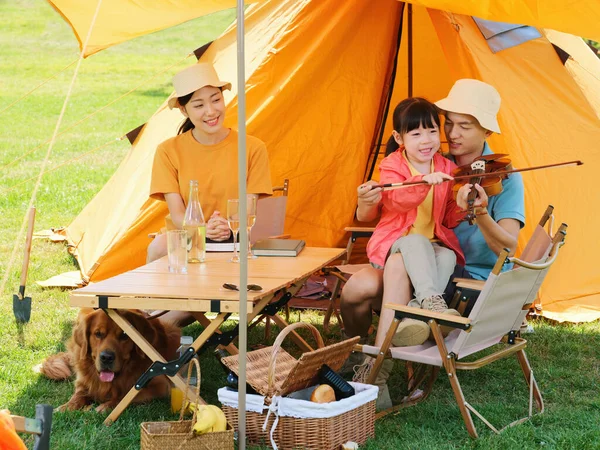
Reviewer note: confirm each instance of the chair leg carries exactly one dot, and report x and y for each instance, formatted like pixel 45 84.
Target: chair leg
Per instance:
pixel 524 362
pixel 268 328
pixel 383 350
pixel 449 365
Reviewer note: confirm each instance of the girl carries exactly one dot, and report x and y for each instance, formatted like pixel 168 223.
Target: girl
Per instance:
pixel 416 220
pixel 204 150
pixel 414 226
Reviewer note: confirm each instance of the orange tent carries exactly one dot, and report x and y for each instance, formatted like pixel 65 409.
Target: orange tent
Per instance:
pixel 318 73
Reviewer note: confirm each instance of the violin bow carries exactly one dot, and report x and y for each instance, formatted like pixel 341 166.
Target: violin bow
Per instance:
pixel 392 186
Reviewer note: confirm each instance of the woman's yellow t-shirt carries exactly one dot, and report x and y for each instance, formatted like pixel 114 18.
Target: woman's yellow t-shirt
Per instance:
pixel 181 159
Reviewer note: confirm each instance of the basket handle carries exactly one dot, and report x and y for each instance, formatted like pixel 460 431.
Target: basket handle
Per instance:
pixel 185 395
pixel 277 345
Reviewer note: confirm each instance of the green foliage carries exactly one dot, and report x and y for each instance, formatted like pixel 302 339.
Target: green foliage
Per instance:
pixel 35 43
pixel 595 46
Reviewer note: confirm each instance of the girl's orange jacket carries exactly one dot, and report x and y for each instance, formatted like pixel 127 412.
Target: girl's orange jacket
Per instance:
pixel 399 207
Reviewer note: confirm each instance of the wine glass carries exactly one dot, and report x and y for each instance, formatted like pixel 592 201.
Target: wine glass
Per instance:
pixel 233 219
pixel 251 200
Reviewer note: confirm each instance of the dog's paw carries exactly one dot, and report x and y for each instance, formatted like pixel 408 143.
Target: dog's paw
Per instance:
pixel 104 407
pixel 62 408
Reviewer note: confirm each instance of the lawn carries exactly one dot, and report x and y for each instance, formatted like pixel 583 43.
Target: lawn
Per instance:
pixel 35 43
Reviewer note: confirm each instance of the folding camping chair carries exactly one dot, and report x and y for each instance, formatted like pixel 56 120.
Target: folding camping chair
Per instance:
pixel 40 427
pixel 537 248
pixel 495 318
pixel 342 271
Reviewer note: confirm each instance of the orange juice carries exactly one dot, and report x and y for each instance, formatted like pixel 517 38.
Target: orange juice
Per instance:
pixel 176 399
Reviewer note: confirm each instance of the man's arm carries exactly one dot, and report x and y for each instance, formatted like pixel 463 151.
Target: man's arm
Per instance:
pixel 498 235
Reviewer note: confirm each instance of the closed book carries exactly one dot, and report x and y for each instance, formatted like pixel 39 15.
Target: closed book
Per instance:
pixel 278 247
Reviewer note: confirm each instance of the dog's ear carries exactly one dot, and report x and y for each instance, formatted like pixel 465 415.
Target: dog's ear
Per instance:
pixel 81 336
pixel 145 328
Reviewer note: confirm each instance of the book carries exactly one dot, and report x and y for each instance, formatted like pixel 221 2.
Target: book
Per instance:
pixel 278 247
pixel 221 246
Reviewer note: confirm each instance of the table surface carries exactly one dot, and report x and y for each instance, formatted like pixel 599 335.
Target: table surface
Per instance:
pixel 153 286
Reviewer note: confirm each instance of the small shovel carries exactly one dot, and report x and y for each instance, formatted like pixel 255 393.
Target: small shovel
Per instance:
pixel 22 304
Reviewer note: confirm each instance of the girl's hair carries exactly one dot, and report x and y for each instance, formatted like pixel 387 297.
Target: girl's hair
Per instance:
pixel 409 115
pixel 187 124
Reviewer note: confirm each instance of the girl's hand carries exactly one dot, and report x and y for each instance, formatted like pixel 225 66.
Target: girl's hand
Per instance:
pixel 437 178
pixel 217 227
pixel 367 195
pixel 463 194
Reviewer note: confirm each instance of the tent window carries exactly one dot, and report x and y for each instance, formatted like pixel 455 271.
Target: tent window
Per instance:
pixel 500 36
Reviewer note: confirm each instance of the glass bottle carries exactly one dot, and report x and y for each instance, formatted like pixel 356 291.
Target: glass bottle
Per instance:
pixel 232 378
pixel 193 223
pixel 176 393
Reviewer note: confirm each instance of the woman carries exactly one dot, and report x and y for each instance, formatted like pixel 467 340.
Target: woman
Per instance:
pixel 204 150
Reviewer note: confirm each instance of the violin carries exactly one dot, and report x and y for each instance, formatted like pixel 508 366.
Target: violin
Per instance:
pixel 473 174
pixel 487 171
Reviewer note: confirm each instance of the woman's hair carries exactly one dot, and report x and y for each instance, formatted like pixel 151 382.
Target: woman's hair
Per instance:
pixel 409 115
pixel 187 124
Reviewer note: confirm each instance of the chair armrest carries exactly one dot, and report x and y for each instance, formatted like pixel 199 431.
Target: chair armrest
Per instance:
pixel 425 315
pixel 360 229
pixel 469 283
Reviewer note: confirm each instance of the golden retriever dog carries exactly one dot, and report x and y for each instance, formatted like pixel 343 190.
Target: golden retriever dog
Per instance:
pixel 107 363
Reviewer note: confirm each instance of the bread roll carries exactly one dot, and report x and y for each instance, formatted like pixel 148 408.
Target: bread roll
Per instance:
pixel 323 394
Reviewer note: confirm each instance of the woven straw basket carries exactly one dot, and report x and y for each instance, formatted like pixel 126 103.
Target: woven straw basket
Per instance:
pixel 272 371
pixel 179 435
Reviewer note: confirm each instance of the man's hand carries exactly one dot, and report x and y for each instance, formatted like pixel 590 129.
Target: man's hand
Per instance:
pixel 463 194
pixel 217 227
pixel 437 178
pixel 368 195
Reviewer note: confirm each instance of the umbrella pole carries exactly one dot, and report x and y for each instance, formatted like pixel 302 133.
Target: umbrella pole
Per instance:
pixel 410 49
pixel 243 336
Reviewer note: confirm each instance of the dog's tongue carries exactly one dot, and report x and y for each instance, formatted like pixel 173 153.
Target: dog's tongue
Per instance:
pixel 107 376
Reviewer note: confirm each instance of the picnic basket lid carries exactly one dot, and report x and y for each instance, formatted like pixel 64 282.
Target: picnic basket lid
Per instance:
pixel 272 371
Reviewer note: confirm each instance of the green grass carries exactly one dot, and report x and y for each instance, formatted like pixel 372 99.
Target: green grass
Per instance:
pixel 34 44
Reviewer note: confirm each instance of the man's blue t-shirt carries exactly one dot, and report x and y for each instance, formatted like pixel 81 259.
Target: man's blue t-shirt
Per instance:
pixel 509 204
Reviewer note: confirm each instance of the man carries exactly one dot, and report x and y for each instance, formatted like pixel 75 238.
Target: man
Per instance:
pixel 470 118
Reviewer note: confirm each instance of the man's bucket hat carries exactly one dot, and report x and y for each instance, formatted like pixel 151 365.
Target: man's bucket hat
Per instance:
pixel 475 98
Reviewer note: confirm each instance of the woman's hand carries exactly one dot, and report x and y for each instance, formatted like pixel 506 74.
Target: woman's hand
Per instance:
pixel 217 227
pixel 367 195
pixel 436 178
pixel 463 193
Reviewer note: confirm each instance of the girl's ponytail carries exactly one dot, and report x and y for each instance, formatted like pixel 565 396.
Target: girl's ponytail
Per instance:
pixel 391 146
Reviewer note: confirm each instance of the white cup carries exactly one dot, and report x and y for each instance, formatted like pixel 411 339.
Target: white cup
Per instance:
pixel 177 250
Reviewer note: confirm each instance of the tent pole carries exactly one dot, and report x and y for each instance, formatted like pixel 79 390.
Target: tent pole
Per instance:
pixel 410 50
pixel 243 336
pixel 380 126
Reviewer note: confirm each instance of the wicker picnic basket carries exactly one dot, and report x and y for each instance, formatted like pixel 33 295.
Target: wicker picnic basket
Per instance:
pixel 179 435
pixel 272 371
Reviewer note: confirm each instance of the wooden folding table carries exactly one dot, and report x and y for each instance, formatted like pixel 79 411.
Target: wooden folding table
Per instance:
pixel 200 291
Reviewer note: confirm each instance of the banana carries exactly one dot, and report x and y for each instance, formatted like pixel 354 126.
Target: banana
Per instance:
pixel 221 422
pixel 205 419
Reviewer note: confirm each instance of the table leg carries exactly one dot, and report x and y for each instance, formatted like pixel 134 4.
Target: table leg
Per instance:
pixel 151 352
pixel 205 321
pixel 295 336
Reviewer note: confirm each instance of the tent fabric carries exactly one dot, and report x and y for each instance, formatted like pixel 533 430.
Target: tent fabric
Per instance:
pixel 121 20
pixel 316 73
pixel 114 23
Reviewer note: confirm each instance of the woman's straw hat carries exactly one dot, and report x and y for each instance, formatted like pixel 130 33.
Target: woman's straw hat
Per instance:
pixel 193 78
pixel 476 98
